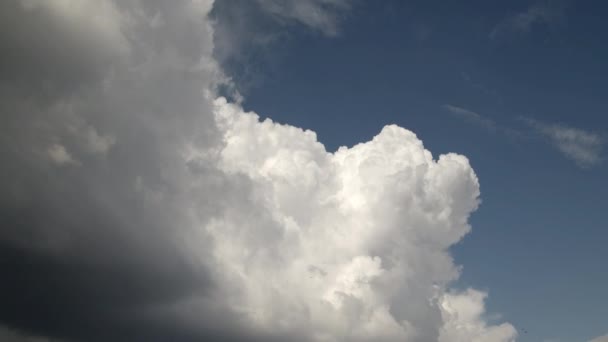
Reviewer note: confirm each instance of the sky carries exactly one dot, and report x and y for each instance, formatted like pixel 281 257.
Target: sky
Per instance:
pixel 311 170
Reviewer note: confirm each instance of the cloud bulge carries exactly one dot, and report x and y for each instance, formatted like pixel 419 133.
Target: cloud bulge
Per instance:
pixel 137 205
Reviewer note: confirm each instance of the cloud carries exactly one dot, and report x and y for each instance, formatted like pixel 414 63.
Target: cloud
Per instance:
pixel 246 33
pixel 546 13
pixel 188 219
pixel 471 117
pixel 8 335
pixel 388 210
pixel 94 252
pixel 321 15
pixel 463 317
pixel 583 147
pixel 483 121
pixel 600 339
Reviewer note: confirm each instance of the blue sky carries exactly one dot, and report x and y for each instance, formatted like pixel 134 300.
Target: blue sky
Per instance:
pixel 539 237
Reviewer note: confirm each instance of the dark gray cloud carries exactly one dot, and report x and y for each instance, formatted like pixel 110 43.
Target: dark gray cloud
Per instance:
pixel 46 53
pixel 95 110
pixel 101 219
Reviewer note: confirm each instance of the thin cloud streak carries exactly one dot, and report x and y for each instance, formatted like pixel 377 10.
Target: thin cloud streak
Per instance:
pixel 547 13
pixel 470 116
pixel 583 147
pixel 483 121
pixel 318 15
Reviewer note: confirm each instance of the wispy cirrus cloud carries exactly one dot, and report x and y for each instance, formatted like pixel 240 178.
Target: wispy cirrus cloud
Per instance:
pixel 480 120
pixel 246 33
pixel 320 15
pixel 470 116
pixel 546 13
pixel 583 147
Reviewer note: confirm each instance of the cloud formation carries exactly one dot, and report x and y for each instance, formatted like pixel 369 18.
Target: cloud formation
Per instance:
pixel 546 13
pixel 483 121
pixel 8 335
pixel 600 339
pixel 138 205
pixel 321 15
pixel 583 147
pixel 355 245
pixel 247 34
pixel 471 117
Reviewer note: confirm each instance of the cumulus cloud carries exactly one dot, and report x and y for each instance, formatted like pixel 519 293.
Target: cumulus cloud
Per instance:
pixel 355 245
pixel 137 205
pixel 583 147
pixel 463 317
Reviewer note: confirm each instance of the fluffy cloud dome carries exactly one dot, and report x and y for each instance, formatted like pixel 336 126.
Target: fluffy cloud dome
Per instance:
pixel 346 246
pixel 138 205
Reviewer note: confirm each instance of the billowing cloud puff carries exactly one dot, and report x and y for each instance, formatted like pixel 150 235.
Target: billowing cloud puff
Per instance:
pixel 350 245
pixel 463 320
pixel 137 205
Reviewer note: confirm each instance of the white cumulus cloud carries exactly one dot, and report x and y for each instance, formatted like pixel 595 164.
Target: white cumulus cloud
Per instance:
pixel 351 245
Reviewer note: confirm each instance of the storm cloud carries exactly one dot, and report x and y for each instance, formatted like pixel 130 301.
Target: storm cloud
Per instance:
pixel 136 204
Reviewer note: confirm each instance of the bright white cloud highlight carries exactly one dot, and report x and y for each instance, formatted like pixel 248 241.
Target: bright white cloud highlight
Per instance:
pixel 351 245
pixel 59 155
pixel 463 320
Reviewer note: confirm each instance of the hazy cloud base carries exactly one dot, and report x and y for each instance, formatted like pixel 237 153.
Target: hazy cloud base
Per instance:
pixel 137 205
